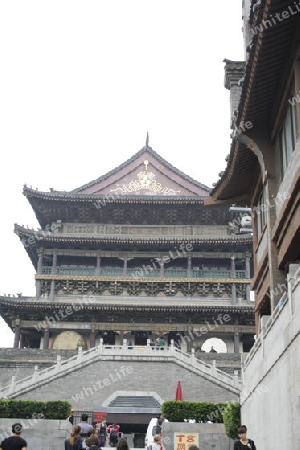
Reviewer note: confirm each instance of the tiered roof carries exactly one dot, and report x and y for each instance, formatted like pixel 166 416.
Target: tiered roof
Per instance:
pixel 262 80
pixel 144 179
pixel 144 189
pixel 141 310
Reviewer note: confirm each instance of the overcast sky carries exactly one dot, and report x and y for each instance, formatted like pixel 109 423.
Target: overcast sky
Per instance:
pixel 83 82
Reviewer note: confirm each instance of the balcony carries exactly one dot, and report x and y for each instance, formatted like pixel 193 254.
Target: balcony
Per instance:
pixel 70 271
pixel 144 272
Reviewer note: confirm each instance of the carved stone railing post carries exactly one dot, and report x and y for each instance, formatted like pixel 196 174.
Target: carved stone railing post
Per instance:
pixel 35 374
pixel 13 383
pixel 58 363
pixel 193 357
pixel 235 379
pixel 79 356
pixel 100 346
pixel 213 367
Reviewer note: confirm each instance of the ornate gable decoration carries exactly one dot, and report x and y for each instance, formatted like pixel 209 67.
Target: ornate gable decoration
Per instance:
pixel 146 181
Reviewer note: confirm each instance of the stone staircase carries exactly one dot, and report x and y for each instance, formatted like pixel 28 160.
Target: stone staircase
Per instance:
pixel 122 353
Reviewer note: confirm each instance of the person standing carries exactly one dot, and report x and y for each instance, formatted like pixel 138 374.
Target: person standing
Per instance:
pixel 102 433
pixel 84 425
pixel 157 341
pixel 114 435
pixel 243 443
pixel 14 442
pixel 159 424
pixel 71 417
pixel 161 343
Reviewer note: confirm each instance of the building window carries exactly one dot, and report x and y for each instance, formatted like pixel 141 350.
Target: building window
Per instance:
pixel 261 213
pixel 288 134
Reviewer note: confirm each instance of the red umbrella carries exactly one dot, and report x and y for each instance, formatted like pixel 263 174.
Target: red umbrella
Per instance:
pixel 179 395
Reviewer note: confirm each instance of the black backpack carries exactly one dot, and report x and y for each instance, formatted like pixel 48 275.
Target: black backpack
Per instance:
pixel 102 431
pixel 114 435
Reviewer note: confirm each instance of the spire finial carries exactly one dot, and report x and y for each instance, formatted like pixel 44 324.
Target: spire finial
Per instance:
pixel 147 139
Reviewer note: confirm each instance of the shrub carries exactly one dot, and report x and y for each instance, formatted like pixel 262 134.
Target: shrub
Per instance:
pixel 180 411
pixel 27 409
pixel 232 419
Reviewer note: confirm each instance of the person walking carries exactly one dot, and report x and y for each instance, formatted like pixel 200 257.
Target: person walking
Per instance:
pixel 156 443
pixel 14 442
pixel 122 444
pixel 86 441
pixel 243 443
pixel 94 443
pixel 75 441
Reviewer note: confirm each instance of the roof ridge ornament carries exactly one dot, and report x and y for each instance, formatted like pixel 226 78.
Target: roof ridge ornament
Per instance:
pixel 147 140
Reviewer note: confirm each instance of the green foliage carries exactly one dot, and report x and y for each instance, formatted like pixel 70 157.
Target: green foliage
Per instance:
pixel 197 347
pixel 180 411
pixel 82 343
pixel 28 409
pixel 3 408
pixel 232 419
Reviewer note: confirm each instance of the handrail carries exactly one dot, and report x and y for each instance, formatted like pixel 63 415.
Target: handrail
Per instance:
pixel 144 272
pixel 189 361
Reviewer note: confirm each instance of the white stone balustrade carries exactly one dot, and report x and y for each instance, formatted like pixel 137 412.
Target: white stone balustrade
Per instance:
pixel 122 352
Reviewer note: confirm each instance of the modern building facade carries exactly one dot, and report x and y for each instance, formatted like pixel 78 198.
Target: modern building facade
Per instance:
pixel 265 154
pixel 134 255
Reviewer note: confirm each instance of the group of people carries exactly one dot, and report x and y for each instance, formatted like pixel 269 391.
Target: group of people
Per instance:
pixel 159 343
pixel 242 443
pixel 84 436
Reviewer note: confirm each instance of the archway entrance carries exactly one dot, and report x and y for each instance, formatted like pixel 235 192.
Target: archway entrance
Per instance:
pixel 140 338
pixel 216 345
pixel 133 412
pixel 176 337
pixel 109 337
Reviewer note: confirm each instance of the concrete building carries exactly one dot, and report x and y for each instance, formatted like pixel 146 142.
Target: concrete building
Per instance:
pixel 263 172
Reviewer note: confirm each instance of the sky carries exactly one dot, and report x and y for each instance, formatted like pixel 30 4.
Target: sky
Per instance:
pixel 82 82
